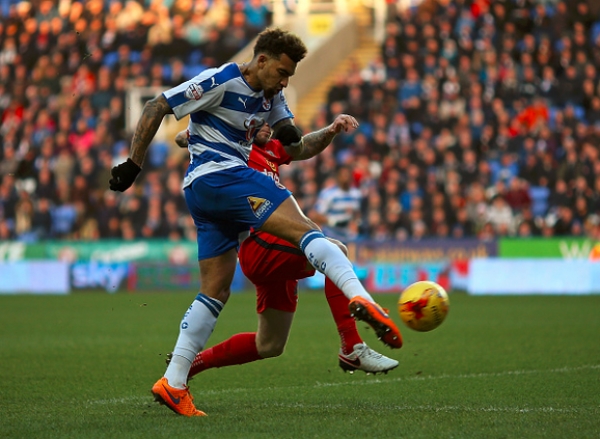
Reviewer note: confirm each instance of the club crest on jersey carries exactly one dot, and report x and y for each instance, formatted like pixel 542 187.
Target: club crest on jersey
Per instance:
pixel 252 124
pixel 266 104
pixel 194 92
pixel 259 206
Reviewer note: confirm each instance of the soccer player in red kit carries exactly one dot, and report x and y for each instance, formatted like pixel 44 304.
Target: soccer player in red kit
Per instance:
pixel 274 266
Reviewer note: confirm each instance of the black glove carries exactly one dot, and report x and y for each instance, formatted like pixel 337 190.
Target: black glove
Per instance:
pixel 289 135
pixel 123 175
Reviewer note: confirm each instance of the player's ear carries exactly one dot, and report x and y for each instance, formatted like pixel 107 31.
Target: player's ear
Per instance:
pixel 262 60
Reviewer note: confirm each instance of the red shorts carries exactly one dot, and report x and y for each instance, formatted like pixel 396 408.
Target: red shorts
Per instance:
pixel 274 267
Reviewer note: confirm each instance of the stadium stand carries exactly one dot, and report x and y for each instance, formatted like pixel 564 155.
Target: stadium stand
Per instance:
pixel 478 119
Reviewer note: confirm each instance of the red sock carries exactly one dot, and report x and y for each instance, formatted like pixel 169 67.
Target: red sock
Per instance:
pixel 346 326
pixel 239 349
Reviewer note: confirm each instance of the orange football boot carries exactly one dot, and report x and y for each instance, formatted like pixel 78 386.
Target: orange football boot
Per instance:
pixel 378 318
pixel 178 400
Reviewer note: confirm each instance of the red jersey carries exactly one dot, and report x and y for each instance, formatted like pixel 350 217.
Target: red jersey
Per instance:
pixel 267 160
pixel 272 264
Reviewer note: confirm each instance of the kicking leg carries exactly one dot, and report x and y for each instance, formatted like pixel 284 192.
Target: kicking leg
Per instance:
pixel 289 223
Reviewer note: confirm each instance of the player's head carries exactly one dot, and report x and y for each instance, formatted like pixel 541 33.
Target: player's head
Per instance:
pixel 263 135
pixel 344 177
pixel 276 54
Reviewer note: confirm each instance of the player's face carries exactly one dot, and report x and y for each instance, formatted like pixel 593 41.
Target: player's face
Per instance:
pixel 274 74
pixel 344 178
pixel 263 135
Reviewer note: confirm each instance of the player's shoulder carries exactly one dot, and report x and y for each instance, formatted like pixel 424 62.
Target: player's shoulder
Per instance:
pixel 217 76
pixel 329 192
pixel 356 192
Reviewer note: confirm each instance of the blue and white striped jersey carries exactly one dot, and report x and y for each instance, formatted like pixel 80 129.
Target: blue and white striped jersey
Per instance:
pixel 225 114
pixel 338 205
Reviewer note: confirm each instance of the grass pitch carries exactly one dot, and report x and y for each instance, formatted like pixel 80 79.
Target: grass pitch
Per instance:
pixel 81 366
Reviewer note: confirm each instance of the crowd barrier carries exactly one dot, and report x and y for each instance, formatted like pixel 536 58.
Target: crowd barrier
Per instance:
pixel 505 266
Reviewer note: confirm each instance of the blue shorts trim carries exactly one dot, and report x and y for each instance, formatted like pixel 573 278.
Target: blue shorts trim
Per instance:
pixel 226 203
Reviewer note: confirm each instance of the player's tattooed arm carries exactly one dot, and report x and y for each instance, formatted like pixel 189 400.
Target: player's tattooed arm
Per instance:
pixel 314 143
pixel 152 115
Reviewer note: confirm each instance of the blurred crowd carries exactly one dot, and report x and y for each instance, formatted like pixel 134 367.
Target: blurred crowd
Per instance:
pixel 479 119
pixel 65 67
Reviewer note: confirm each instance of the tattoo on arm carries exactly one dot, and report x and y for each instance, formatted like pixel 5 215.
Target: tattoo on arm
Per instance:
pixel 152 115
pixel 314 143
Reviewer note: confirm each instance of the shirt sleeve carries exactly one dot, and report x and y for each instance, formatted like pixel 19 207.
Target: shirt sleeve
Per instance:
pixel 323 201
pixel 280 110
pixel 194 95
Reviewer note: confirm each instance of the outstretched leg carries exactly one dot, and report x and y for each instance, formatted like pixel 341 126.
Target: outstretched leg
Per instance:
pixel 289 223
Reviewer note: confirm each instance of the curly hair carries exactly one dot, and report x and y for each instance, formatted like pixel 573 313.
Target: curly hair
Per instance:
pixel 275 42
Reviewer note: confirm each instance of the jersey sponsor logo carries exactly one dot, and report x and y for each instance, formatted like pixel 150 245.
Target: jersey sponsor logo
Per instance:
pixel 194 92
pixel 253 123
pixel 272 165
pixel 243 101
pixel 259 205
pixel 213 83
pixel 266 104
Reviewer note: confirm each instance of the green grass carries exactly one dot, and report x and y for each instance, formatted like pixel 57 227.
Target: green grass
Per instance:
pixel 81 366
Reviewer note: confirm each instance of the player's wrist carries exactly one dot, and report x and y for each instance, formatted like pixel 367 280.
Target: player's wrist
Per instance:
pixel 133 165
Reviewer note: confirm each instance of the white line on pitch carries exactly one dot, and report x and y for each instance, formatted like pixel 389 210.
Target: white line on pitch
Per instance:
pixel 197 393
pixel 433 408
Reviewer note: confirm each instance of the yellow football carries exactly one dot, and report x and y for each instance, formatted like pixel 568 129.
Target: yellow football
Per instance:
pixel 423 306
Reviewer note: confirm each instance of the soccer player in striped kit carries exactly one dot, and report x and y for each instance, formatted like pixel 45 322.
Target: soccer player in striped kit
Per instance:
pixel 227 107
pixel 274 266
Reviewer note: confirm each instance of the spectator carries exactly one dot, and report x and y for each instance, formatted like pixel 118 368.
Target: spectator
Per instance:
pixel 565 221
pixel 475 95
pixel 500 216
pixel 560 196
pixel 338 206
pixel 517 196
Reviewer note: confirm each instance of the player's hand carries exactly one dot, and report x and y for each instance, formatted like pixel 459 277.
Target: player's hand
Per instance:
pixel 344 122
pixel 123 175
pixel 289 135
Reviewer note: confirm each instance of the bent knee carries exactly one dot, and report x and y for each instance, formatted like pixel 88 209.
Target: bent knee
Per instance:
pixel 270 350
pixel 340 244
